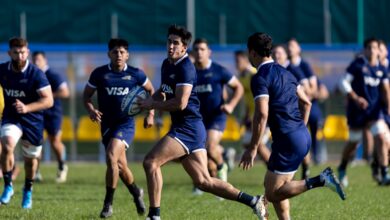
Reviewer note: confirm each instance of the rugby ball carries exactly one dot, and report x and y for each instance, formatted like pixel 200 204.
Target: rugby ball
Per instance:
pixel 129 104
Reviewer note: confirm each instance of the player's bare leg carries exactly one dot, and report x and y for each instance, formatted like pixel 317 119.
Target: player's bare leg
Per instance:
pixel 113 152
pixel 281 187
pixel 165 150
pixel 30 166
pixel 305 166
pixel 282 209
pixel 7 163
pixel 59 150
pixel 215 154
pixel 380 131
pixel 7 155
pixel 368 145
pixel 196 166
pixel 128 179
pixel 347 155
pixel 31 155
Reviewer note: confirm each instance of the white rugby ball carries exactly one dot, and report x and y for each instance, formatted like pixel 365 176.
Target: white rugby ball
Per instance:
pixel 129 104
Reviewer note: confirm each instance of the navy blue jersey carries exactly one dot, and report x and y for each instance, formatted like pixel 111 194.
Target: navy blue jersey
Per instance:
pixel 305 68
pixel 297 72
pixel 280 86
pixel 25 87
pixel 210 89
pixel 56 80
pixel 181 73
pixel 365 82
pixel 385 113
pixel 111 88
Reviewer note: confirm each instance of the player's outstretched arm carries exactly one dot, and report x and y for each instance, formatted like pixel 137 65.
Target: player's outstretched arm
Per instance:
pixel 44 102
pixel 304 104
pixel 238 91
pixel 258 127
pixel 94 114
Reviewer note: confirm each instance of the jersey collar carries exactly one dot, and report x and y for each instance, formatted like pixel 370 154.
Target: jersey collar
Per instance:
pixel 182 58
pixel 124 69
pixel 24 68
pixel 263 63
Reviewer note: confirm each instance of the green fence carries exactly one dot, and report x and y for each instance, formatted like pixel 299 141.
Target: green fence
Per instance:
pixel 221 21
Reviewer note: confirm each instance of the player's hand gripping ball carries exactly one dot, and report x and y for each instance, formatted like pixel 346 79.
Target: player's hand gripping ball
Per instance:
pixel 130 106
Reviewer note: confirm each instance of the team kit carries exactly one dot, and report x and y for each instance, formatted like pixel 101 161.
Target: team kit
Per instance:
pixel 192 91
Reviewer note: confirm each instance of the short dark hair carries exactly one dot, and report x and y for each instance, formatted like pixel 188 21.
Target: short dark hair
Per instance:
pixel 241 53
pixel 368 41
pixel 117 42
pixel 183 33
pixel 200 41
pixel 261 43
pixel 17 42
pixel 38 52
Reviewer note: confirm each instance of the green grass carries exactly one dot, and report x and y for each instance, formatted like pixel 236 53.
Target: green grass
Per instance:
pixel 81 197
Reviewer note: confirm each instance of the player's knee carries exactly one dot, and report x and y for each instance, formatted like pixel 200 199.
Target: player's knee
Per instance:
pixel 271 197
pixel 203 183
pixel 150 164
pixel 111 159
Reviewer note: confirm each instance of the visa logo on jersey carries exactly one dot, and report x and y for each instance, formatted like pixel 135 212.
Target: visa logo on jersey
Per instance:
pixel 167 89
pixel 15 93
pixel 204 88
pixel 117 90
pixel 371 81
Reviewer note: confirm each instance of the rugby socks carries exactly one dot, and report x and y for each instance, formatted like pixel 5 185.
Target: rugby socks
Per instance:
pixel 61 165
pixel 314 182
pixel 154 211
pixel 28 184
pixel 109 195
pixel 384 170
pixel 133 189
pixel 343 165
pixel 7 178
pixel 246 199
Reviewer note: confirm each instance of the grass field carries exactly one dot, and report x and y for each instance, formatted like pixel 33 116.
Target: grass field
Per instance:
pixel 81 197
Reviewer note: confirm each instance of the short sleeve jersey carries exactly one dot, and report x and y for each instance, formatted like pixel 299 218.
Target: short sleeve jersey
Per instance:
pixel 181 73
pixel 111 88
pixel 56 80
pixel 24 86
pixel 210 89
pixel 280 86
pixel 366 81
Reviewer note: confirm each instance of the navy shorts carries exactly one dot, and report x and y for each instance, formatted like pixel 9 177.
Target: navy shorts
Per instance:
pixel 288 151
pixel 216 123
pixel 52 123
pixel 192 135
pixel 31 131
pixel 123 132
